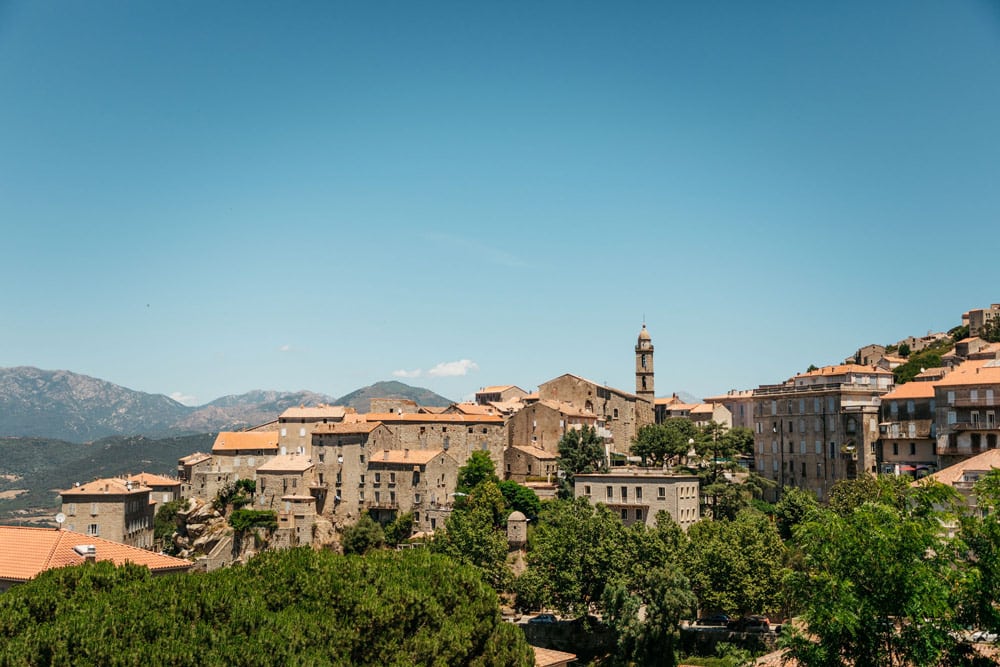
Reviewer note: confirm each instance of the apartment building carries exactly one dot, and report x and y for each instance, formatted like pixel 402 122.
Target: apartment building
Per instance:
pixel 819 427
pixel 638 494
pixel 740 406
pixel 112 508
pixel 295 425
pixel 908 435
pixel 401 481
pixel 966 402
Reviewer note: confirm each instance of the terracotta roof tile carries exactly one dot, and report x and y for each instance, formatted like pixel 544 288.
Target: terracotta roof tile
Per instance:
pixel 953 473
pixel 537 452
pixel 420 418
pixel 231 441
pixel 843 369
pixel 27 552
pixel 149 479
pixel 911 390
pixel 107 486
pixel 347 428
pixel 972 373
pixel 286 463
pixel 546 657
pixel 315 412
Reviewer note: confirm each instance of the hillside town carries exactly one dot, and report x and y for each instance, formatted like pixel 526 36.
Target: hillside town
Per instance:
pixel 320 468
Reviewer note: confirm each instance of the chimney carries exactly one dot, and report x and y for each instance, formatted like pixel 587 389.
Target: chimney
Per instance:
pixel 88 551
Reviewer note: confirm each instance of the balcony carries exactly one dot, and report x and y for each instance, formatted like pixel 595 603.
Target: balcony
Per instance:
pixel 974 426
pixel 383 504
pixel 967 402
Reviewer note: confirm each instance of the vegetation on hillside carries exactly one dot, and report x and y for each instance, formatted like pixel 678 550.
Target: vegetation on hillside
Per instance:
pixel 295 606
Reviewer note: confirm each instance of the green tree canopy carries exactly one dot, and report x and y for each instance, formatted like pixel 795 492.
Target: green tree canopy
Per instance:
pixel 521 499
pixel 294 606
pixel 478 468
pixel 476 535
pixel 580 451
pixel 362 536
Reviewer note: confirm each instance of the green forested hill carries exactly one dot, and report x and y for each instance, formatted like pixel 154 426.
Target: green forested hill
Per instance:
pixel 44 466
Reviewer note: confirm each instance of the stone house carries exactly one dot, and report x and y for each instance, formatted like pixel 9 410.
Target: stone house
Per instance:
pixel 500 394
pixel 186 468
pixel 526 463
pixel 543 424
pixel 638 494
pixel 296 519
pixel 162 489
pixel 819 427
pixel 418 481
pixel 235 455
pixel 340 455
pixel 397 405
pixel 113 508
pixel 283 475
pixel 979 318
pixel 295 425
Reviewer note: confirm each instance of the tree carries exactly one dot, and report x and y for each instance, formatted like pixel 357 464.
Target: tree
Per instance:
pixel 476 535
pixel 662 443
pixel 849 494
pixel 573 551
pixel 980 594
pixel 794 506
pixel 292 606
pixel 363 536
pixel 478 468
pixel 580 451
pixel 736 566
pixel 521 499
pixel 399 529
pixel 877 585
pixel 904 350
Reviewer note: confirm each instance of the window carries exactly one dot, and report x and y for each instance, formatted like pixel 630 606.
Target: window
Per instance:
pixel 638 515
pixel 611 492
pixel 974 417
pixel 624 514
pixel 802 406
pixel 92 529
pixel 974 394
pixel 284 431
pixel 616 413
pixel 638 494
pixel 951 398
pixel 302 431
pixel 893 409
pixel 416 500
pixel 913 449
pixel 93 509
pixel 586 490
pixel 624 493
pixel 392 478
pixel 819 447
pixel 895 448
pixel 802 446
pixel 661 492
pixel 378 477
pixel 803 468
pixel 378 497
pixel 72 509
pixel 951 417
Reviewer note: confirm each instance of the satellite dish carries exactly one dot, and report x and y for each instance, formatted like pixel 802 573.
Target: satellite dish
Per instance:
pixel 60 519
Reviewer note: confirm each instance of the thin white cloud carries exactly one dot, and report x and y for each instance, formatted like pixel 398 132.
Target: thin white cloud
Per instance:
pixel 285 348
pixel 402 373
pixel 453 368
pixel 186 399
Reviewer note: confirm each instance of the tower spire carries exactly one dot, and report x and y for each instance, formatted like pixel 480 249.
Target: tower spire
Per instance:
pixel 644 365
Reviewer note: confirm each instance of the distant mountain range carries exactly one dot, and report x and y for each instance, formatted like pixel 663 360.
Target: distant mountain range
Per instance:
pixel 78 408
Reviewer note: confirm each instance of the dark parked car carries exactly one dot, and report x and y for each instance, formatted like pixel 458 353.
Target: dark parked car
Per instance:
pixel 543 618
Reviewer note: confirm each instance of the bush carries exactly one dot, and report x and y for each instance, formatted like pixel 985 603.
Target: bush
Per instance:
pixel 242 520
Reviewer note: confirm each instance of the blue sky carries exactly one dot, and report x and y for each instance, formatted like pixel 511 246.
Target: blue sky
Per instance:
pixel 206 198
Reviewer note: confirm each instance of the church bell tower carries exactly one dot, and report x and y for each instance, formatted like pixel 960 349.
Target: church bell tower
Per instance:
pixel 644 366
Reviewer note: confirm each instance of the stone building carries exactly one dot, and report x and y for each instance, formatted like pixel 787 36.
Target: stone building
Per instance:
pixel 740 406
pixel 979 318
pixel 296 519
pixel 397 405
pixel 644 367
pixel 819 427
pixel 966 403
pixel 524 464
pixel 908 439
pixel 235 455
pixel 283 475
pixel 638 494
pixel 162 489
pixel 499 394
pixel 543 424
pixel 295 426
pixel 697 413
pixel 417 481
pixel 114 509
pixel 340 454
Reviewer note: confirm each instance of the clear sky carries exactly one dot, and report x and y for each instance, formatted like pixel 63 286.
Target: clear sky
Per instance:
pixel 203 198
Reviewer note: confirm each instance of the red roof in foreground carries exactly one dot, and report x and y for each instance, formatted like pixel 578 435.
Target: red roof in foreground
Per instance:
pixel 27 552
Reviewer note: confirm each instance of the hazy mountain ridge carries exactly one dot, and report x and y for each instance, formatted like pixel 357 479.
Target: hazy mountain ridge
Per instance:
pixel 63 405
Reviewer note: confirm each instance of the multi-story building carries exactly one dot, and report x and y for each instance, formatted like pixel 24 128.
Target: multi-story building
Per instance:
pixel 162 489
pixel 341 453
pixel 979 318
pixel 235 455
pixel 740 406
pixel 114 509
pixel 908 438
pixel 295 425
pixel 284 475
pixel 528 464
pixel 543 424
pixel 966 402
pixel 698 413
pixel 401 481
pixel 819 427
pixel 638 494
pixel 500 394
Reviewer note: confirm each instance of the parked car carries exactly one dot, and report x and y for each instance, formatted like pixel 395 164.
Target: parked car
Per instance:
pixel 543 618
pixel 719 620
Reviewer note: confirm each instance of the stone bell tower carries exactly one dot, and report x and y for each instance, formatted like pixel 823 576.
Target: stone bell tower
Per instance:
pixel 644 366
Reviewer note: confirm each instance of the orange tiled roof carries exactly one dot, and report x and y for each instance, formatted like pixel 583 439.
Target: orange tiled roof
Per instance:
pixel 286 463
pixel 315 412
pixel 911 390
pixel 972 373
pixel 27 552
pixel 843 369
pixel 149 479
pixel 232 441
pixel 985 461
pixel 432 409
pixel 414 456
pixel 495 389
pixel 191 459
pixel 108 486
pixel 546 657
pixel 536 452
pixel 474 409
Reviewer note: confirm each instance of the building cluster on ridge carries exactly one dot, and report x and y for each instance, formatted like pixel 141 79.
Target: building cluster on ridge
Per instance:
pixel 325 466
